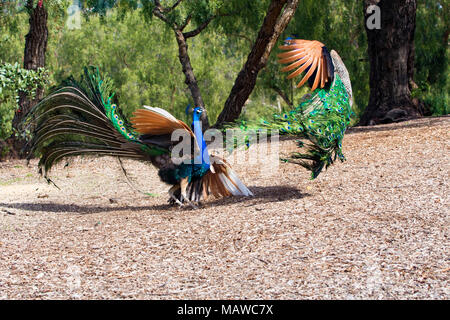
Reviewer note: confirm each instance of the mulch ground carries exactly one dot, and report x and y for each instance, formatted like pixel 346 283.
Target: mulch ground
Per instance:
pixel 375 226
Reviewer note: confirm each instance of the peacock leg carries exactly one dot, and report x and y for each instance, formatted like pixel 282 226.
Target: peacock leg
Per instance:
pixel 171 194
pixel 183 185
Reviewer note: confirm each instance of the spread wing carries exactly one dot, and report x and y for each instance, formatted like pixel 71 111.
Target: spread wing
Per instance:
pixel 307 56
pixel 156 121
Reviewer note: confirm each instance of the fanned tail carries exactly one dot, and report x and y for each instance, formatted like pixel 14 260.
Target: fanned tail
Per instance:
pixel 79 118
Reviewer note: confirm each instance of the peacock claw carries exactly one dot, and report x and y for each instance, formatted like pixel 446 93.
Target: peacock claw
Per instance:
pixel 181 202
pixel 174 200
pixel 184 199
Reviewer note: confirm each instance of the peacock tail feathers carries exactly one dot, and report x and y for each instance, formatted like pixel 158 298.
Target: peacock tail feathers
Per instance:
pixel 100 91
pixel 322 119
pixel 325 117
pixel 79 118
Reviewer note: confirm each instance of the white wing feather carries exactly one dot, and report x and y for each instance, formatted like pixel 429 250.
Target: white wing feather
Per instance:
pixel 162 112
pixel 242 188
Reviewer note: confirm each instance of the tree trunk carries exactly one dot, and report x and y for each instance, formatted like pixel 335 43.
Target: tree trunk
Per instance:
pixel 391 54
pixel 274 24
pixel 188 71
pixel 34 58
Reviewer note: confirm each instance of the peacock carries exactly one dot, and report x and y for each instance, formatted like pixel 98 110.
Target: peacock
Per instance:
pixel 80 118
pixel 323 115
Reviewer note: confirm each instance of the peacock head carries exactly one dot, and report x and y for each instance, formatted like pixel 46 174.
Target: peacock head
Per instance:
pixel 197 113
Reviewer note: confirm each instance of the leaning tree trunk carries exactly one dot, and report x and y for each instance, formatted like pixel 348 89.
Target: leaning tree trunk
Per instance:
pixel 391 54
pixel 274 24
pixel 190 79
pixel 34 58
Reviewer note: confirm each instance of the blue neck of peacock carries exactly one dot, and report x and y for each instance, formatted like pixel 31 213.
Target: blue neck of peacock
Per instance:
pixel 203 156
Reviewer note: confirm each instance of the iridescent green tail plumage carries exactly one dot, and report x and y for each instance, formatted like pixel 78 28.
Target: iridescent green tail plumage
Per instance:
pixel 79 118
pixel 321 119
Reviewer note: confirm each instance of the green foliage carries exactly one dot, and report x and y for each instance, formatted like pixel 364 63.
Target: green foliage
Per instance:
pixel 50 3
pixel 143 73
pixel 12 80
pixel 142 59
pixel 432 56
pixel 13 27
pixel 141 54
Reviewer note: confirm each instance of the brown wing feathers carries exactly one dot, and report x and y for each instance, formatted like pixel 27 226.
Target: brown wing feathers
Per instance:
pixel 212 183
pixel 150 122
pixel 305 55
pixel 223 182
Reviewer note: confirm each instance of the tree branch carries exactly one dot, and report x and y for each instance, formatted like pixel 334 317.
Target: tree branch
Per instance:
pixel 172 7
pixel 158 11
pixel 186 22
pixel 199 29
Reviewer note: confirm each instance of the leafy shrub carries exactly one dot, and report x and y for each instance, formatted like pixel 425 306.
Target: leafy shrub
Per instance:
pixel 13 79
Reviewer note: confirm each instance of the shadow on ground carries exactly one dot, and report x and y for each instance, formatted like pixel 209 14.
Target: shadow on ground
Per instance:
pixel 261 195
pixel 73 208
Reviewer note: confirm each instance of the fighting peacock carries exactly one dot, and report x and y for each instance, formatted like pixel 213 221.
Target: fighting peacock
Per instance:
pixel 323 115
pixel 80 118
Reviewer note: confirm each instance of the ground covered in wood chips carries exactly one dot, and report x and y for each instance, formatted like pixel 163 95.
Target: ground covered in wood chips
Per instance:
pixel 375 226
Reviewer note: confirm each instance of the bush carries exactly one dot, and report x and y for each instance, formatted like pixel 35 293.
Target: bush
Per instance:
pixel 13 79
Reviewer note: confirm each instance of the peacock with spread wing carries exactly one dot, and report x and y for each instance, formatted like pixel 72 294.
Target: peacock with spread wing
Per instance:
pixel 80 118
pixel 323 115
